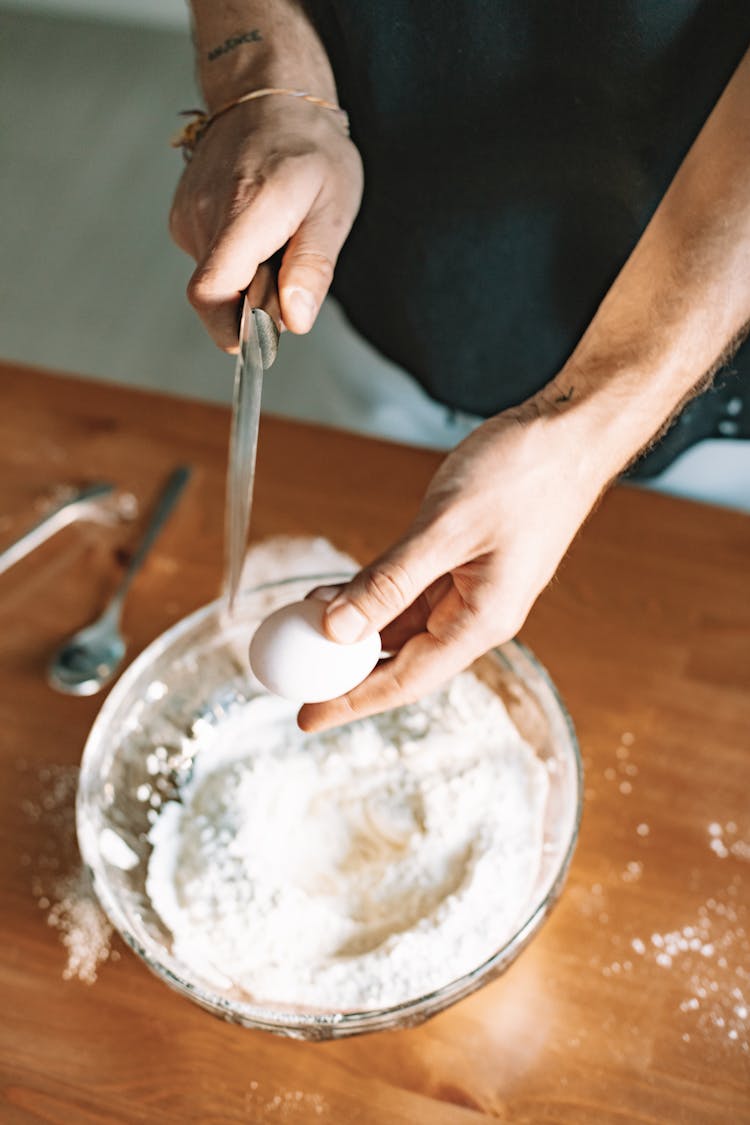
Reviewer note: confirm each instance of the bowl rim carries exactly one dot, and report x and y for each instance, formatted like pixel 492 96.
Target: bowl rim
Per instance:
pixel 277 1019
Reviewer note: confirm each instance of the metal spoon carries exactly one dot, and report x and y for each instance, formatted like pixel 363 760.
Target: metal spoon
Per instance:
pixel 95 502
pixel 90 658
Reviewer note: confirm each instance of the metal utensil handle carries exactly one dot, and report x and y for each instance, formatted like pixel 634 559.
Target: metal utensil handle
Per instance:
pixel 66 512
pixel 166 502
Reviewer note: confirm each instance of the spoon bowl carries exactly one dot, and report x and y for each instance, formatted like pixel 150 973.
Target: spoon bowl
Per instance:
pixel 89 659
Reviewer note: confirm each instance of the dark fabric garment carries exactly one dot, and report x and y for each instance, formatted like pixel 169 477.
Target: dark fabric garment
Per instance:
pixel 514 151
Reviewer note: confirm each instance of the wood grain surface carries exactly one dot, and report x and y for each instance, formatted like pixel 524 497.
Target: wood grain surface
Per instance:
pixel 646 631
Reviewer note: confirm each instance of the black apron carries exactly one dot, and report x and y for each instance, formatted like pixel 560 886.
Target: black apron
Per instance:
pixel 514 151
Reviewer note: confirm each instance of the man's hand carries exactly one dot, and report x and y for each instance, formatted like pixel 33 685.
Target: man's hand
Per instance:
pixel 276 172
pixel 271 174
pixel 501 511
pixel 495 522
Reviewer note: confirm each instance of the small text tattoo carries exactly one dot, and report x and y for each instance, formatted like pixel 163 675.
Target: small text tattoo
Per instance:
pixel 233 42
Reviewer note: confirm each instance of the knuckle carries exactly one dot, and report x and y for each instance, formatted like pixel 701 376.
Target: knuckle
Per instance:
pixel 204 205
pixel 243 191
pixel 194 197
pixel 398 690
pixel 302 157
pixel 350 710
pixel 388 585
pixel 316 261
pixel 402 689
pixel 201 289
pixel 196 291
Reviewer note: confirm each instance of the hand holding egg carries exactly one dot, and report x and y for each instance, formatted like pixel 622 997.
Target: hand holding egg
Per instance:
pixel 292 656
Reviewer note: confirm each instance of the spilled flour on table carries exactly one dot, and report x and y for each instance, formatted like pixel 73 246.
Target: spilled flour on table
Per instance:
pixel 723 841
pixel 84 929
pixel 708 956
pixel 712 956
pixel 289 1105
pixel 59 883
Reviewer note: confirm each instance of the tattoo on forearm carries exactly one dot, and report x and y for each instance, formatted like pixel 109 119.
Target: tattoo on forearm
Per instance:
pixel 233 42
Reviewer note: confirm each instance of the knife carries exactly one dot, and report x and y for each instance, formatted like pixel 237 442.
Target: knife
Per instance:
pixel 259 340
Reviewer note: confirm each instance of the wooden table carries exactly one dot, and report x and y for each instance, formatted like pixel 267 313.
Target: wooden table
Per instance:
pixel 647 633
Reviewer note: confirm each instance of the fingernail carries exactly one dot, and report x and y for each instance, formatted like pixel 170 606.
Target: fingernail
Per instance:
pixel 346 622
pixel 301 304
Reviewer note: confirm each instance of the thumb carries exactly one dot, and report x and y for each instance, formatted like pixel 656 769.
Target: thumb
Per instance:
pixel 307 268
pixel 387 587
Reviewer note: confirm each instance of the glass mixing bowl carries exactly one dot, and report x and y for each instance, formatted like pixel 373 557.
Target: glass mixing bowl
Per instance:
pixel 141 748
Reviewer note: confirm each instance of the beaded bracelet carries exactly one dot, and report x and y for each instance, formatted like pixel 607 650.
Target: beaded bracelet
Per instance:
pixel 192 131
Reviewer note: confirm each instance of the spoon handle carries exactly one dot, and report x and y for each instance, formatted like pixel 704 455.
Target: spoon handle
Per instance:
pixel 166 502
pixel 72 507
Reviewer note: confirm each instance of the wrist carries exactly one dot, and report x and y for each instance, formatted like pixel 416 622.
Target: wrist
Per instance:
pixel 270 47
pixel 267 71
pixel 610 409
pixel 600 420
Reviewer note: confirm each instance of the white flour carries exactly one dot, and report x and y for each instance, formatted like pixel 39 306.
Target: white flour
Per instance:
pixel 356 868
pixel 59 884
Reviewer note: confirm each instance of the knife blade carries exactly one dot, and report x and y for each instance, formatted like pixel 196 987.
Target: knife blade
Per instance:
pixel 257 351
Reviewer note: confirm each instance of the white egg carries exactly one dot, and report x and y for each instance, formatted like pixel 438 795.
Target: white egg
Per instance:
pixel 291 655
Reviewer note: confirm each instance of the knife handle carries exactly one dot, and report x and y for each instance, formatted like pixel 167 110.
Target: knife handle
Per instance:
pixel 263 295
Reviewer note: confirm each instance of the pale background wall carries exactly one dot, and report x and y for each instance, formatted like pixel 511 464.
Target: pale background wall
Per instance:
pixel 157 13
pixel 89 280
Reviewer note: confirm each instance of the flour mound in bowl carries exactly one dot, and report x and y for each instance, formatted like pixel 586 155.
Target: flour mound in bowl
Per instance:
pixel 358 868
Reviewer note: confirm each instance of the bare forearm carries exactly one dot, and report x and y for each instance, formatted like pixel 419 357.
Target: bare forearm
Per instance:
pixel 246 44
pixel 679 302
